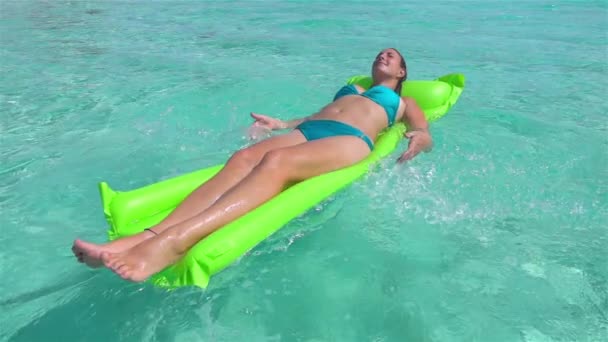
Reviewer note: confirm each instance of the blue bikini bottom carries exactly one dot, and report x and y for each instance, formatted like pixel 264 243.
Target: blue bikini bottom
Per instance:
pixel 319 129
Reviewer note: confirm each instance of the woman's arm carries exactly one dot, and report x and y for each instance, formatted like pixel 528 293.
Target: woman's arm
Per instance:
pixel 293 123
pixel 270 123
pixel 418 130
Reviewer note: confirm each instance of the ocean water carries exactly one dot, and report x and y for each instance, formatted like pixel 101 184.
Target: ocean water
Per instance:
pixel 499 234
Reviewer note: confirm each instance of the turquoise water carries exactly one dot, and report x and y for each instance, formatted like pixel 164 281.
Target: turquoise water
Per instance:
pixel 498 234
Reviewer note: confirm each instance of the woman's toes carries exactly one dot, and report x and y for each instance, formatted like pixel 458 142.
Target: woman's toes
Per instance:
pixel 107 259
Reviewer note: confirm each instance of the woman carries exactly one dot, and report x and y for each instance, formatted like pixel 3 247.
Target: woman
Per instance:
pixel 339 135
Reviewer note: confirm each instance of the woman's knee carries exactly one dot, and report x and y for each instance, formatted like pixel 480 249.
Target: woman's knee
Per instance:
pixel 246 158
pixel 277 161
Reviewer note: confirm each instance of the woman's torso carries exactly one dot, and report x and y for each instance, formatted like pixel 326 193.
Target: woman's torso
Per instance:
pixel 364 113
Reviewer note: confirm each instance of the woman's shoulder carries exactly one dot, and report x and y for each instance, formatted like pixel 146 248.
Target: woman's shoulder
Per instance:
pixel 409 105
pixel 407 99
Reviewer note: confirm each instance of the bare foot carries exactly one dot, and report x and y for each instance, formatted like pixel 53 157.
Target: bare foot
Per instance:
pixel 142 261
pixel 90 253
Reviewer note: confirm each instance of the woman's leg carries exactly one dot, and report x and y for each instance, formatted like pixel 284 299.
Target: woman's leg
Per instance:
pixel 277 169
pixel 237 167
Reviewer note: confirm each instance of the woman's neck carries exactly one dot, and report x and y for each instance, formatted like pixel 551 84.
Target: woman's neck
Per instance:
pixel 389 83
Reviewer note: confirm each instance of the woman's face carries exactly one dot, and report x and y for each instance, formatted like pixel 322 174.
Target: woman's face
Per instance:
pixel 388 63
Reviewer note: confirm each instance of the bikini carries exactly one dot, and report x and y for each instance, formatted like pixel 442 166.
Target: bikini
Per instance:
pixel 382 95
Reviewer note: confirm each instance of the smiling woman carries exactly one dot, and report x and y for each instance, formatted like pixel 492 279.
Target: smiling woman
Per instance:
pixel 257 173
pixel 273 190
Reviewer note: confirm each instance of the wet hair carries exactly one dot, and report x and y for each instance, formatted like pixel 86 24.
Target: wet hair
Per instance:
pixel 402 79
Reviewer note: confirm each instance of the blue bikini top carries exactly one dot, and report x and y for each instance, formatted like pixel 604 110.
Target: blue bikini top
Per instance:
pixel 382 95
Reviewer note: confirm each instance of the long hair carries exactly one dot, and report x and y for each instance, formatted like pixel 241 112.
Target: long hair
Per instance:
pixel 402 79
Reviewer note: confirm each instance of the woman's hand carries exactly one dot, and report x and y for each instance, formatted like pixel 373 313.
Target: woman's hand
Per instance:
pixel 266 122
pixel 420 140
